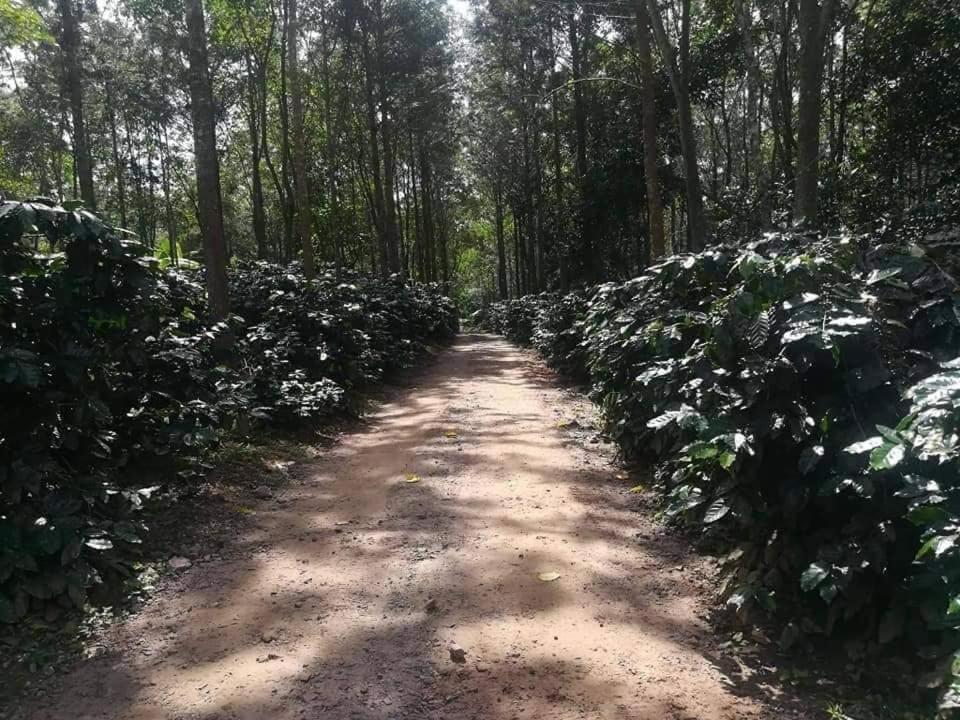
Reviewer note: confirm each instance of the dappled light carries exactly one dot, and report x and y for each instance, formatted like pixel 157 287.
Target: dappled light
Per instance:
pixel 249 470
pixel 344 596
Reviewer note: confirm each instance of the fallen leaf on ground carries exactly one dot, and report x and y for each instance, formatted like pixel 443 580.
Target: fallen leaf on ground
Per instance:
pixel 411 478
pixel 549 576
pixel 451 434
pixel 638 489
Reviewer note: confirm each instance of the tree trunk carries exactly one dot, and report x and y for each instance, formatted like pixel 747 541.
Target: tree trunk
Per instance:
pixel 299 150
pixel 209 201
pixel 286 157
pixel 680 82
pixel 754 83
pixel 256 189
pixel 168 198
pixel 378 204
pixel 649 121
pixel 580 131
pixel 502 289
pixel 814 22
pixel 386 137
pixel 426 177
pixel 73 78
pixel 118 169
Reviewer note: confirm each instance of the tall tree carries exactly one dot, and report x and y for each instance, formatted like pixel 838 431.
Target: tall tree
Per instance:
pixel 73 82
pixel 655 231
pixel 299 149
pixel 814 21
pixel 207 163
pixel 679 72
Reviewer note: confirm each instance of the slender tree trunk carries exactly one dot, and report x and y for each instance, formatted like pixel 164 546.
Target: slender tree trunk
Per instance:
pixel 386 137
pixel 502 288
pixel 378 207
pixel 286 156
pixel 840 150
pixel 73 78
pixel 649 122
pixel 443 236
pixel 419 223
pixel 256 183
pixel 784 89
pixel 680 82
pixel 333 216
pixel 278 185
pixel 580 133
pixel 428 216
pixel 516 254
pixel 209 201
pixel 151 194
pixel 754 84
pixel 299 150
pixel 168 198
pixel 814 21
pixel 141 202
pixel 118 169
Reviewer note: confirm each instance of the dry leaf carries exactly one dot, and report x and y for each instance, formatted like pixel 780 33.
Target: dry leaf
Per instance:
pixel 451 434
pixel 549 576
pixel 411 477
pixel 638 489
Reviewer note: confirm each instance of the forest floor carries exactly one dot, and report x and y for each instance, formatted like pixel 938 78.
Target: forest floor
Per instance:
pixel 401 574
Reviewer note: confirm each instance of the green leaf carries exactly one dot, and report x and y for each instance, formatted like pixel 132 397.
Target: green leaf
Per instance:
pixel 953 608
pixel 739 597
pixel 727 459
pixel 717 510
pixel 926 515
pixel 828 591
pixel 886 456
pixel 813 576
pixel 938 545
pixel 879 275
pixel 950 697
pixel 99 543
pixel 864 445
pixel 702 450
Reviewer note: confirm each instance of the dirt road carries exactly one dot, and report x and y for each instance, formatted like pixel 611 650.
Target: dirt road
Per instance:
pixel 360 595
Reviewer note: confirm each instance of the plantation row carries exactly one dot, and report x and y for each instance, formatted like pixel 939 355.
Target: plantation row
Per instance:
pixel 800 403
pixel 114 387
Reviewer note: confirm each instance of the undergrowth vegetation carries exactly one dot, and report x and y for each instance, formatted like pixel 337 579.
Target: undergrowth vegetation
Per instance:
pixel 114 387
pixel 800 401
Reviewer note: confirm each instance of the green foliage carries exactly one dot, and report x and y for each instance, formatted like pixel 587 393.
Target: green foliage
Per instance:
pixel 799 402
pixel 20 24
pixel 114 387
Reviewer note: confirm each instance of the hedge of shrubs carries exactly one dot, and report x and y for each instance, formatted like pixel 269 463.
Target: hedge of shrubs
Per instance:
pixel 113 386
pixel 800 401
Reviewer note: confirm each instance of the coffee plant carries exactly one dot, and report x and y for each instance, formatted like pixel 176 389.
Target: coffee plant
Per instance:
pixel 798 399
pixel 114 387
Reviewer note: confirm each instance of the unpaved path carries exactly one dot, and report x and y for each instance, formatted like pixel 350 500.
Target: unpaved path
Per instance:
pixel 342 601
